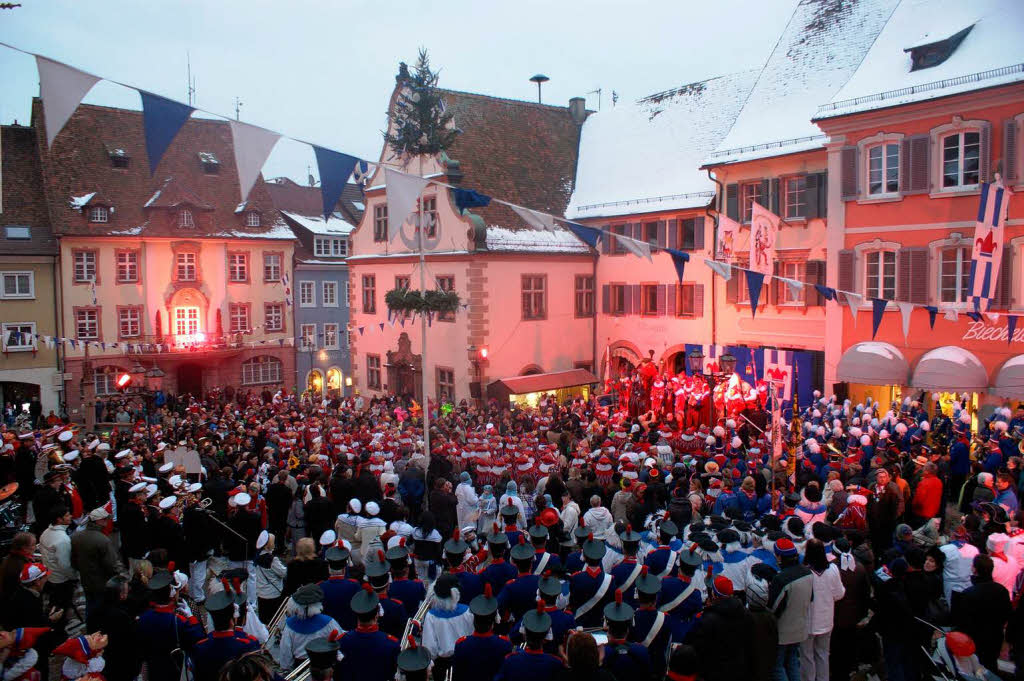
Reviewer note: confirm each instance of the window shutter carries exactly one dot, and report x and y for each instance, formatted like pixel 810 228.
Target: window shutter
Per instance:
pixel 732 201
pixel 637 292
pixel 698 234
pixel 766 194
pixel 638 231
pixel 985 157
pixel 848 163
pixel 670 299
pixel 846 270
pixel 773 197
pixel 776 292
pixel 662 302
pixel 815 275
pixel 811 195
pixel 698 299
pixel 662 236
pixel 606 299
pixel 912 275
pixel 606 240
pixel 914 172
pixel 732 288
pixel 1010 151
pixel 822 194
pixel 1003 299
pixel 627 299
pixel 673 234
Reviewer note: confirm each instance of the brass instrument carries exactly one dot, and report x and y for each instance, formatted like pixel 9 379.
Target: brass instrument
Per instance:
pixel 206 503
pixel 275 623
pixel 417 619
pixel 300 673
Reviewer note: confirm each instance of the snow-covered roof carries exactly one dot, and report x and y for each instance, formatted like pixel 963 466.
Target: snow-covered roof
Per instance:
pixel 817 53
pixel 280 230
pixel 992 53
pixel 533 240
pixel 333 227
pixel 79 202
pixel 645 156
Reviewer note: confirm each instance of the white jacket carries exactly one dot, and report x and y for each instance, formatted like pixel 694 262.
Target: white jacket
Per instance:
pixel 468 503
pixel 269 580
pixel 55 548
pixel 827 588
pixel 598 520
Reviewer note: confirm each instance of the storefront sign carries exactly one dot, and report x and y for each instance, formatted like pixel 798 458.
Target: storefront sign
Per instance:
pixel 988 332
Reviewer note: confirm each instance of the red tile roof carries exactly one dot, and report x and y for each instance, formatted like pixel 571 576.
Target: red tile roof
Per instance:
pixel 22 194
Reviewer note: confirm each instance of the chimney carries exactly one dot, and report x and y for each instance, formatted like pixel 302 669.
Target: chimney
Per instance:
pixel 578 109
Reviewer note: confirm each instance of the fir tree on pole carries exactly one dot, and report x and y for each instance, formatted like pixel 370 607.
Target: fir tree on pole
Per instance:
pixel 420 125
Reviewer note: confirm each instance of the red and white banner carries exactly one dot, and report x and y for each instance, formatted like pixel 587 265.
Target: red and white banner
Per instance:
pixel 764 230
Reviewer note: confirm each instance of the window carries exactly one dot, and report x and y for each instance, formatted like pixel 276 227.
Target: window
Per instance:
pixel 99 214
pixel 85 266
pixel 880 274
pixel 686 305
pixel 752 191
pixel 252 219
pixel 307 294
pixel 120 162
pixel 884 169
pixel 185 219
pixel 330 293
pixel 186 263
pixel 210 163
pixel 331 336
pixel 307 337
pixel 238 267
pixel 534 296
pixel 960 159
pixel 369 294
pixel 348 293
pixel 87 323
pixel 129 322
pixel 380 223
pixel 238 313
pixel 373 371
pixel 651 233
pixel 19 285
pixel 17 232
pixel 127 267
pixel 649 299
pixel 933 54
pixel 445 384
pixel 273 317
pixel 791 270
pixel 691 234
pixel 584 296
pixel 19 336
pixel 617 298
pixel 446 283
pixel 744 291
pixel 261 370
pixel 617 246
pixel 430 216
pixel 186 322
pixel 795 196
pixel 106 379
pixel 330 248
pixel 402 282
pixel 955 274
pixel 271 267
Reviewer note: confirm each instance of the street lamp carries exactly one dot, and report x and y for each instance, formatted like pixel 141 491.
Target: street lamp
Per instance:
pixel 727 364
pixel 695 361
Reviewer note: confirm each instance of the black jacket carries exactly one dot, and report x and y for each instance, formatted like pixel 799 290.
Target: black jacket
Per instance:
pixel 134 527
pixel 93 482
pixel 123 660
pixel 248 524
pixel 981 612
pixel 724 637
pixel 302 572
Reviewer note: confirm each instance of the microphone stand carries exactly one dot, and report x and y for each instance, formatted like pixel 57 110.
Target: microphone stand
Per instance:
pixel 214 518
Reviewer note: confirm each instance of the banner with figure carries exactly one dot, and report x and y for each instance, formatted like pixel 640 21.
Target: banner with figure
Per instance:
pixel 988 245
pixel 764 230
pixel 778 369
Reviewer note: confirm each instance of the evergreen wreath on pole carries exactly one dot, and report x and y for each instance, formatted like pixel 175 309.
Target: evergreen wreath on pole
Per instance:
pixel 420 125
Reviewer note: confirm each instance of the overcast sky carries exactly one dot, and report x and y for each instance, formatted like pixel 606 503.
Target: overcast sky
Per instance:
pixel 323 70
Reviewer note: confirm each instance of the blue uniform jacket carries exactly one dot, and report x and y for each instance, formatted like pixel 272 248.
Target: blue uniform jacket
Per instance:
pixel 621 573
pixel 161 630
pixel 530 665
pixel 211 653
pixel 338 592
pixel 552 564
pixel 519 595
pixel 583 586
pixel 369 655
pixel 627 660
pixel 470 585
pixel 410 592
pixel 562 622
pixel 499 573
pixel 643 620
pixel 479 656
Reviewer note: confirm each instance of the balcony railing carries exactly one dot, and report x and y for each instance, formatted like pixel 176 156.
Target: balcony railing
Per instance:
pixel 192 343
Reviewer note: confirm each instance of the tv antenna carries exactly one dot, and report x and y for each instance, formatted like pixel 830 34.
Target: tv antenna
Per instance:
pixel 238 107
pixel 598 93
pixel 191 81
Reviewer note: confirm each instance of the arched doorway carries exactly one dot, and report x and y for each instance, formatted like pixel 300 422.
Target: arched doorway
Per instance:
pixel 190 379
pixel 404 370
pixel 334 379
pixel 315 382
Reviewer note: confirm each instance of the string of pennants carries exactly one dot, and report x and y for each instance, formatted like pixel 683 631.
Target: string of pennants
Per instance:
pixel 62 88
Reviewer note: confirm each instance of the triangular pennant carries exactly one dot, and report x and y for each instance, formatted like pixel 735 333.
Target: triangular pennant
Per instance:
pixel 361 329
pixel 403 189
pixel 796 288
pixel 640 249
pixel 853 300
pixel 975 317
pixel 162 119
pixel 826 292
pixel 467 198
pixel 905 311
pixel 62 89
pixel 252 147
pixel 877 310
pixel 1011 326
pixel 381 325
pixel 932 312
pixel 722 269
pixel 755 280
pixel 335 168
pixel 402 322
pixel 679 260
pixel 534 218
pixel 588 235
pixel 952 314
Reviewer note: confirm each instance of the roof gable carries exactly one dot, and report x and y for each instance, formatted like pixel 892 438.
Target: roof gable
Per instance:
pixel 22 194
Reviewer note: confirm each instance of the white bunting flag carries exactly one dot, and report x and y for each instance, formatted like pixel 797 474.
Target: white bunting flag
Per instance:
pixel 951 315
pixel 62 89
pixel 252 147
pixel 403 190
pixel 722 269
pixel 764 230
pixel 993 316
pixel 535 219
pixel 796 288
pixel 853 300
pixel 640 249
pixel 905 311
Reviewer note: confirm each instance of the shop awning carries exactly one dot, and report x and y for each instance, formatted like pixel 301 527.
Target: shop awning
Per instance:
pixel 1010 379
pixel 536 383
pixel 950 368
pixel 873 363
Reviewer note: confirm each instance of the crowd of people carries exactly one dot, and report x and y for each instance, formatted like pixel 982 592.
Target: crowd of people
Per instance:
pixel 244 537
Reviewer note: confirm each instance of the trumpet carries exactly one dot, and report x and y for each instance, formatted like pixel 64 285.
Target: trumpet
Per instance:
pixel 300 673
pixel 275 623
pixel 417 619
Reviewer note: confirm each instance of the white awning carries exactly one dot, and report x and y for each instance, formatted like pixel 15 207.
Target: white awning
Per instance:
pixel 873 363
pixel 950 368
pixel 1010 379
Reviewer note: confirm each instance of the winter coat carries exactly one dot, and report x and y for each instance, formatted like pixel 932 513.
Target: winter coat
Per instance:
pixel 721 621
pixel 766 641
pixel 789 597
pixel 94 556
pixel 853 606
pixel 827 589
pixel 599 520
pixel 621 503
pixel 981 612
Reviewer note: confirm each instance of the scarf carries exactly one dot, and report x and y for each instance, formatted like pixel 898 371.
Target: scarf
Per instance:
pixel 847 561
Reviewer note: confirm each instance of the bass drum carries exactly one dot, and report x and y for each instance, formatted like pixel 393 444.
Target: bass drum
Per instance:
pixel 12 521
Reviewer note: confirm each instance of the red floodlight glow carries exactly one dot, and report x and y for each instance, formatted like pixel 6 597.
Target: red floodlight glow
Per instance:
pixel 123 380
pixel 483 353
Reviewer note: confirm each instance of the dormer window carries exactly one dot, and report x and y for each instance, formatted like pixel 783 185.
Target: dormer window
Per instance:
pixel 99 214
pixel 185 219
pixel 252 219
pixel 119 158
pixel 211 166
pixel 933 53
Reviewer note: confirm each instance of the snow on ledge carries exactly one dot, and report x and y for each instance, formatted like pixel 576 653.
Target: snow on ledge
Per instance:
pixel 534 240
